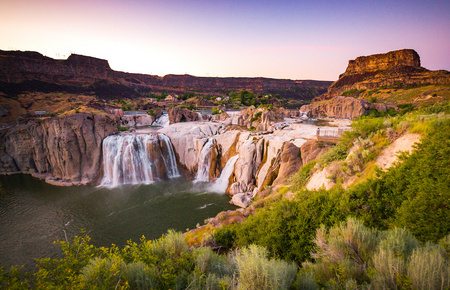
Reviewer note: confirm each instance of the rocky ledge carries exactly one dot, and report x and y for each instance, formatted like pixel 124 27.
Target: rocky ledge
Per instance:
pixel 343 108
pixel 387 69
pixel 63 150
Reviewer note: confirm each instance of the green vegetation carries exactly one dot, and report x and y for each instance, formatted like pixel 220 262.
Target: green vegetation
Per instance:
pixel 216 111
pixel 414 195
pixel 389 231
pixel 166 263
pixel 122 128
pixel 351 255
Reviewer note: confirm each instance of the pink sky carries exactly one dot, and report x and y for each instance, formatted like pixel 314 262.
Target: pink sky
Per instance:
pixel 278 39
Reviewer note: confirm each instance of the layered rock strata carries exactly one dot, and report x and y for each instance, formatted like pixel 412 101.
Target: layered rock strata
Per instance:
pixel 343 107
pixel 387 69
pixel 65 150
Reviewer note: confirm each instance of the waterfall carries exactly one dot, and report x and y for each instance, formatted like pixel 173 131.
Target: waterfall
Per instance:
pixel 162 121
pixel 136 159
pixel 169 158
pixel 204 162
pixel 221 184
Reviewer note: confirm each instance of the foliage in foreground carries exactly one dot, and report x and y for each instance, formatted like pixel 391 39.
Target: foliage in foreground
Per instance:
pixel 414 194
pixel 351 255
pixel 166 263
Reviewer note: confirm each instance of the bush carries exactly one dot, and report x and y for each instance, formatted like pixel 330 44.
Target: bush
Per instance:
pixel 103 273
pixel 360 257
pixel 216 111
pixel 122 128
pixel 429 268
pixel 256 271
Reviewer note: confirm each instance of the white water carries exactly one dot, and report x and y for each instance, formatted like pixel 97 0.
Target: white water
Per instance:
pixel 221 184
pixel 162 121
pixel 204 162
pixel 169 159
pixel 127 159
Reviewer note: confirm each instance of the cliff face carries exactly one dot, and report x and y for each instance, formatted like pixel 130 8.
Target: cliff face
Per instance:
pixel 369 72
pixel 18 67
pixel 64 149
pixel 376 62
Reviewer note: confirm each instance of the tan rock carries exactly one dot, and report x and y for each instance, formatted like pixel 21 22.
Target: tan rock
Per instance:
pixel 291 162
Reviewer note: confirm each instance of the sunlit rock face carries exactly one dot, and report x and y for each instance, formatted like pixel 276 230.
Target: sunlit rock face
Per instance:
pixel 386 69
pixel 62 149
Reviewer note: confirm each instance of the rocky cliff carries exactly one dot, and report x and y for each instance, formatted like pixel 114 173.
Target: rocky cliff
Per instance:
pixel 343 108
pixel 387 69
pixel 19 67
pixel 64 150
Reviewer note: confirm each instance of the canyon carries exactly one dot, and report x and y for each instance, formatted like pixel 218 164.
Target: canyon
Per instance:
pixel 82 149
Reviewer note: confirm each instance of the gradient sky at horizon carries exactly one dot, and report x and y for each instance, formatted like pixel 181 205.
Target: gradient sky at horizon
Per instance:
pixel 266 38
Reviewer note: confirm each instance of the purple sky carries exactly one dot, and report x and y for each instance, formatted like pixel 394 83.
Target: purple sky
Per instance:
pixel 278 39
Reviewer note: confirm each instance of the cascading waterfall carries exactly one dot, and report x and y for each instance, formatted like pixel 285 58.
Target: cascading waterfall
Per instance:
pixel 136 159
pixel 204 162
pixel 221 184
pixel 169 158
pixel 162 121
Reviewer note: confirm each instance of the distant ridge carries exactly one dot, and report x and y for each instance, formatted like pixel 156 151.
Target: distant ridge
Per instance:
pixel 19 67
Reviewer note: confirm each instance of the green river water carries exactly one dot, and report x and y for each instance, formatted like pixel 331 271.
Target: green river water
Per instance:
pixel 33 214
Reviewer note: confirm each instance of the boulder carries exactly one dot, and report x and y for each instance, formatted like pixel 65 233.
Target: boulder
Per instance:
pixel 291 162
pixel 241 199
pixel 338 107
pixel 177 115
pixel 312 149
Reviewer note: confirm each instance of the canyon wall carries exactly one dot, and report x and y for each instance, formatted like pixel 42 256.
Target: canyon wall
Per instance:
pixel 18 66
pixel 387 69
pixel 64 150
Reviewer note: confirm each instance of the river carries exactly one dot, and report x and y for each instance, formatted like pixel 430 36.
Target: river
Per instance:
pixel 33 214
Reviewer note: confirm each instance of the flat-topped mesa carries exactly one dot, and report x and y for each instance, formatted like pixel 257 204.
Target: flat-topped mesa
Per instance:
pixel 386 69
pixel 81 60
pixel 384 61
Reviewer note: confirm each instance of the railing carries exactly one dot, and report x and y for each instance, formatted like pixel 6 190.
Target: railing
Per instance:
pixel 331 133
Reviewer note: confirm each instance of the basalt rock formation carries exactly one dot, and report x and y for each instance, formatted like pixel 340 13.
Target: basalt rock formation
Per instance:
pixel 387 69
pixel 35 71
pixel 343 108
pixel 64 150
pixel 177 115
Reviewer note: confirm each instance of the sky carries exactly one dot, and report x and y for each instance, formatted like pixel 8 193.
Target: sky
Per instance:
pixel 229 38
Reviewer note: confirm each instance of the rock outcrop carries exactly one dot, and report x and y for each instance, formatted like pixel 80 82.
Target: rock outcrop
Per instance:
pixel 387 69
pixel 188 140
pixel 261 119
pixel 177 115
pixel 343 108
pixel 66 150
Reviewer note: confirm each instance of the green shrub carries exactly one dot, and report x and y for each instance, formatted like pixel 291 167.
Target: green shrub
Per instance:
pixel 335 153
pixel 301 178
pixel 122 128
pixel 350 92
pixel 139 276
pixel 104 273
pixel 216 111
pixel 429 268
pixel 256 271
